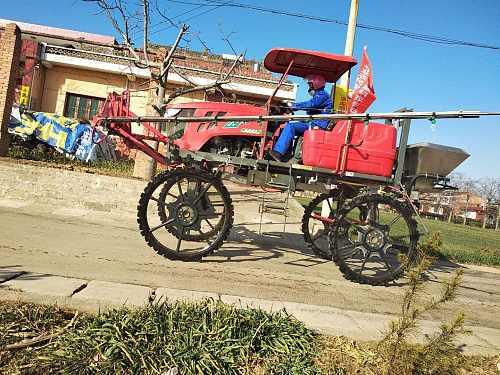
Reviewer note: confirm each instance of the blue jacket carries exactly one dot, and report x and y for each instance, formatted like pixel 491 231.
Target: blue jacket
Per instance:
pixel 321 102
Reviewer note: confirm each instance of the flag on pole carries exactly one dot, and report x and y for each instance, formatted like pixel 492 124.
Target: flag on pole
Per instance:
pixel 363 94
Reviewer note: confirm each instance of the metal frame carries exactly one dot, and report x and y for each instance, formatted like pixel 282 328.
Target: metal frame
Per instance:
pixel 176 156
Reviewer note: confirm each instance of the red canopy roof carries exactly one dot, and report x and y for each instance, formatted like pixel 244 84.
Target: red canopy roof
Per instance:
pixel 308 62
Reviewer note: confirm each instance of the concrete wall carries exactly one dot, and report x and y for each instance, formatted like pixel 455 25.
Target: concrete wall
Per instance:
pixel 62 188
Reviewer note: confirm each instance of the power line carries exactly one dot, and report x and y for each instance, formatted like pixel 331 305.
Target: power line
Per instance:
pixel 403 33
pixel 198 6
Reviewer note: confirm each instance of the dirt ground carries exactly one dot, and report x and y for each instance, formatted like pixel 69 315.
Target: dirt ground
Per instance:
pixel 89 244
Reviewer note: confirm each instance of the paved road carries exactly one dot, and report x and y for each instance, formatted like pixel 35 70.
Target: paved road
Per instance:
pixel 94 245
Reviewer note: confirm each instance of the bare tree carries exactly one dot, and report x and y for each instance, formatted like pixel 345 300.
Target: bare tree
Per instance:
pixel 462 182
pixel 126 22
pixel 128 17
pixel 489 189
pixel 466 185
pixel 217 84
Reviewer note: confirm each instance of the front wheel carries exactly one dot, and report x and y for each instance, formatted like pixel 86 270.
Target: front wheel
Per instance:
pixel 374 240
pixel 185 214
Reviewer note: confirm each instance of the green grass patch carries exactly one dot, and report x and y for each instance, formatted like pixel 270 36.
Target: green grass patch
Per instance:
pixel 461 243
pixel 52 158
pixel 208 337
pixel 466 244
pixel 204 338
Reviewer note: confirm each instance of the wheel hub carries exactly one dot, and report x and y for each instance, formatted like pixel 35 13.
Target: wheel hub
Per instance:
pixel 186 215
pixel 375 239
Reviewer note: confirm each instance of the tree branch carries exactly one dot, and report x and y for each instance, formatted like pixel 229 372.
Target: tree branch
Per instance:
pixel 41 338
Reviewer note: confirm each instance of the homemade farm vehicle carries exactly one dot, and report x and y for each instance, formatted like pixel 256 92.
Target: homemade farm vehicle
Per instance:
pixel 363 172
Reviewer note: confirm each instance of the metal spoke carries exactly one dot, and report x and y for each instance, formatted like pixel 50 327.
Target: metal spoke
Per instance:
pixel 393 221
pixel 329 204
pixel 354 249
pixel 399 246
pixel 202 193
pixel 169 221
pixel 159 201
pixel 351 245
pixel 359 228
pixel 209 223
pixel 179 242
pixel 180 188
pixel 364 262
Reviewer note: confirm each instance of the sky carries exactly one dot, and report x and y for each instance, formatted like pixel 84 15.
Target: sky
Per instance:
pixel 407 72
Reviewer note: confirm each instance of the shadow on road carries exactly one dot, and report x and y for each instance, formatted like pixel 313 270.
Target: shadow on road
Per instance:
pixel 244 245
pixel 8 273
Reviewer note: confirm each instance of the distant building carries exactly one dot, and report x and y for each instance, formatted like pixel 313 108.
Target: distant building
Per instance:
pixel 458 205
pixel 71 72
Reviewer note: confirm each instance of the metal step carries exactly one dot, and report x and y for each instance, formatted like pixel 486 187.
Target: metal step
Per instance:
pixel 274 207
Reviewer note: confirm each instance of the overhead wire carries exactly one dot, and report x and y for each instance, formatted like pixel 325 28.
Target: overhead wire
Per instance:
pixel 403 33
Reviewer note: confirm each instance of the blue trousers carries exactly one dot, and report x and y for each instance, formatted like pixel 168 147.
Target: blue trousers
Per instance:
pixel 293 129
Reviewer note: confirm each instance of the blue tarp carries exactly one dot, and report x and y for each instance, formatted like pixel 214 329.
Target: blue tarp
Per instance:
pixel 67 135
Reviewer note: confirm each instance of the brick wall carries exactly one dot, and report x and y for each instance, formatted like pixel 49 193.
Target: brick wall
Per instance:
pixel 10 41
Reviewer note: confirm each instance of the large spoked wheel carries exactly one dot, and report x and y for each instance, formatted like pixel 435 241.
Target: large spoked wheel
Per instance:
pixel 185 214
pixel 374 240
pixel 316 227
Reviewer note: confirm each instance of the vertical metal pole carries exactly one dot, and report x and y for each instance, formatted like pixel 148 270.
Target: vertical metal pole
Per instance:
pixel 285 211
pixel 403 143
pixel 263 203
pixel 344 80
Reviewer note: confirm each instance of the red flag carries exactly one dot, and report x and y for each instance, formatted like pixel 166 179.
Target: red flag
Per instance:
pixel 363 94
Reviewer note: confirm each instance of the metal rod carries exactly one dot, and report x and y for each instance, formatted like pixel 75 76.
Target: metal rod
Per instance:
pixel 339 116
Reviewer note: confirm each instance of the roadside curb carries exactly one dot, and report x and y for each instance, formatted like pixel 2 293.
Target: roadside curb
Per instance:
pixel 95 296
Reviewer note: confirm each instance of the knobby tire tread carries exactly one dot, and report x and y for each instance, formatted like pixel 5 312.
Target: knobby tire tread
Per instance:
pixel 160 248
pixel 406 213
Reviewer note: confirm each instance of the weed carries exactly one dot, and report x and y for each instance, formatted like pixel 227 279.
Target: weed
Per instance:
pixel 207 337
pixel 438 355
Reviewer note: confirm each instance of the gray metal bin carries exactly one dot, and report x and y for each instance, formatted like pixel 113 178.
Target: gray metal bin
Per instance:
pixel 431 158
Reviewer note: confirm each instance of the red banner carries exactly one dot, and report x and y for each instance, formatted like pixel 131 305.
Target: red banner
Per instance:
pixel 363 94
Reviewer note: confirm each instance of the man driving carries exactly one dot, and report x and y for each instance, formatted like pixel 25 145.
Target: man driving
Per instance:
pixel 320 103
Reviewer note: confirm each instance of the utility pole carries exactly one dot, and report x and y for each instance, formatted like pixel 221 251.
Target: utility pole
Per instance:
pixel 344 80
pixel 349 46
pixel 349 41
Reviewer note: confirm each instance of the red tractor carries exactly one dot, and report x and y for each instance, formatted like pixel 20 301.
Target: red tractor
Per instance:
pixel 363 211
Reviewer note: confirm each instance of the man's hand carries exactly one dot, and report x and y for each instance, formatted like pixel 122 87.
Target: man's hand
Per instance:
pixel 289 107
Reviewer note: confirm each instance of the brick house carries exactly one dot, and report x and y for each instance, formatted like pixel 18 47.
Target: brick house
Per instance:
pixel 449 205
pixel 70 73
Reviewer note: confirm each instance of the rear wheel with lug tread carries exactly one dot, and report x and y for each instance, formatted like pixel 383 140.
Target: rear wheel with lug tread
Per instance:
pixel 185 214
pixel 375 239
